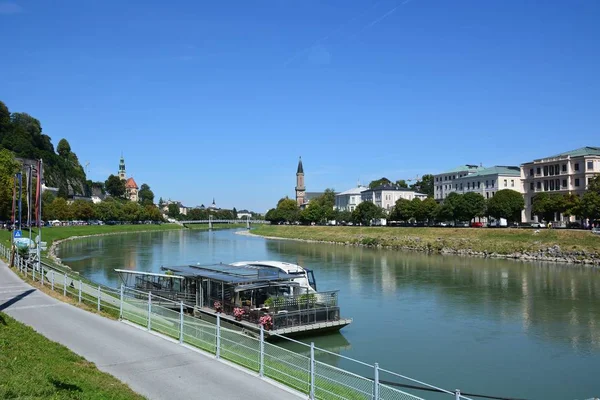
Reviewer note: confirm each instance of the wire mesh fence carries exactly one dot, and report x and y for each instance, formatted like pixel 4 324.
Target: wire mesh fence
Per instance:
pixel 304 373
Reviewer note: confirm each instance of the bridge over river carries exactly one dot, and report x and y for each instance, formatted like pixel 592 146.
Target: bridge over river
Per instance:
pixel 211 221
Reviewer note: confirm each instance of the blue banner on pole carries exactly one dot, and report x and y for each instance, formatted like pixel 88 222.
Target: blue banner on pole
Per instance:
pixel 17 234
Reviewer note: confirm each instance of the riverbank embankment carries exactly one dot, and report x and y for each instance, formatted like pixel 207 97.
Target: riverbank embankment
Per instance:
pixel 554 245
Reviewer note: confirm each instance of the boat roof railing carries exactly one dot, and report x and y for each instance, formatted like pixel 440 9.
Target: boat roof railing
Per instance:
pixel 124 271
pixel 232 274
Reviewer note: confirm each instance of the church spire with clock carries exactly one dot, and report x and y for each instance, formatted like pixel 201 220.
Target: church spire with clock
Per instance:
pixel 300 189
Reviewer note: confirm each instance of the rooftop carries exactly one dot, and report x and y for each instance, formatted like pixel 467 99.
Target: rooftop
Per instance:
pixel 356 190
pixel 389 187
pixel 495 170
pixel 130 184
pixel 583 151
pixel 463 168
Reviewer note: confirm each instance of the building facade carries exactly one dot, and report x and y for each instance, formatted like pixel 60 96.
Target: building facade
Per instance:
pixel 350 199
pixel 443 183
pixel 565 173
pixel 300 188
pixel 385 196
pixel 487 181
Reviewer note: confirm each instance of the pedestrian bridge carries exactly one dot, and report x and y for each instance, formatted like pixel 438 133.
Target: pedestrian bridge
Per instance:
pixel 211 221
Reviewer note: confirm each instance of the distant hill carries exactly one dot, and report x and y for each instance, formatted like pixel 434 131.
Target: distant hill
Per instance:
pixel 22 134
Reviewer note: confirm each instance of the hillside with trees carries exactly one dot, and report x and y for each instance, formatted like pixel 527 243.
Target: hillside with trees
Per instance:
pixel 22 134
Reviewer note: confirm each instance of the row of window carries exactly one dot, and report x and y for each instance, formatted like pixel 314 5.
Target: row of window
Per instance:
pixel 550 170
pixel 555 184
pixel 472 186
pixel 449 177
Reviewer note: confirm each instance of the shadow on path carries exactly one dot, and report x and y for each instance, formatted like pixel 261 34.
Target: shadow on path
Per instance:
pixel 15 299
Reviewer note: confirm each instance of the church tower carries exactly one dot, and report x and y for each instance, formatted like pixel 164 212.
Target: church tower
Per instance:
pixel 300 189
pixel 122 175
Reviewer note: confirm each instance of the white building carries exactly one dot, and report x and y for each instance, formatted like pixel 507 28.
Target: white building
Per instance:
pixel 487 181
pixel 244 214
pixel 350 199
pixel 565 173
pixel 385 196
pixel 443 182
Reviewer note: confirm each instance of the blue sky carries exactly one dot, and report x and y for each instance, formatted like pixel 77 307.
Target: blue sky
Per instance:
pixel 219 98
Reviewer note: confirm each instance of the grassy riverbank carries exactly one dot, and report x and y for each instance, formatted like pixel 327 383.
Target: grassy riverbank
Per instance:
pixel 32 366
pixel 482 240
pixel 50 234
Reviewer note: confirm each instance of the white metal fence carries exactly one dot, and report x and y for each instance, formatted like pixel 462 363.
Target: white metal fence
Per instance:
pixel 304 373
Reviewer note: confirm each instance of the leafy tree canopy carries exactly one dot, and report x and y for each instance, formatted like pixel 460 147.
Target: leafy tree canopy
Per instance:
pixel 115 186
pixel 506 203
pixel 365 212
pixel 379 182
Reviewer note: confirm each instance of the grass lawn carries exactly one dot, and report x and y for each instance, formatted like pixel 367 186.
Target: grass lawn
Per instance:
pixel 50 234
pixel 500 240
pixel 32 366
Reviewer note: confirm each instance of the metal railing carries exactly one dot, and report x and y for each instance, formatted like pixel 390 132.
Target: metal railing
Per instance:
pixel 303 372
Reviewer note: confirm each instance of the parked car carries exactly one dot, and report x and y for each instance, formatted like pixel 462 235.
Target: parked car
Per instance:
pixel 462 224
pixel 536 225
pixel 596 231
pixel 477 225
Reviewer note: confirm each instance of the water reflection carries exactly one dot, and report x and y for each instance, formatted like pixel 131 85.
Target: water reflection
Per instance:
pixel 461 322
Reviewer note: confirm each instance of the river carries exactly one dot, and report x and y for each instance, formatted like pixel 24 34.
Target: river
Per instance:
pixel 496 327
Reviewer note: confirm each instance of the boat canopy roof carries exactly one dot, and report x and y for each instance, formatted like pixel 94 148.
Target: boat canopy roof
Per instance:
pixel 232 274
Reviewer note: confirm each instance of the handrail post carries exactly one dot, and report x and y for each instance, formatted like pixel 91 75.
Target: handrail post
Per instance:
pixel 80 290
pixel 32 272
pixel 218 350
pixel 65 286
pixel 457 391
pixel 121 304
pixel 312 371
pixel 52 280
pixel 376 382
pixel 149 311
pixel 261 370
pixel 41 275
pixel 99 296
pixel 181 322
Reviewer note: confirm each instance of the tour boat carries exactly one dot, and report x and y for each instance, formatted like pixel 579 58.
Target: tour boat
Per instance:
pixel 244 292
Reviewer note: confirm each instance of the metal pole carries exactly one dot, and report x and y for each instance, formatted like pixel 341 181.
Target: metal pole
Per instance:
pixel 262 351
pixel 149 310
pixel 80 290
pixel 218 351
pixel 29 185
pixel 181 322
pixel 52 284
pixel 312 371
pixel 121 304
pixel 41 274
pixel 99 296
pixel 376 383
pixel 20 198
pixel 65 286
pixel 32 272
pixel 457 394
pixel 39 217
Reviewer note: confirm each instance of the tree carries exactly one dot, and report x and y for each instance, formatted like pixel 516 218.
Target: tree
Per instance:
pixel 457 206
pixel 379 182
pixel 365 212
pixel 60 209
pixel 401 183
pixel 8 168
pixel 234 212
pixel 173 211
pixel 115 186
pixel 64 148
pixel 145 195
pixel 82 210
pixel 47 199
pixel 288 210
pixel 404 210
pixel 109 210
pixel 474 205
pixel 424 185
pixel 506 203
pixel 590 206
pixel 594 185
pixel 571 205
pixel 343 216
pixel 312 213
pixel 132 211
pixel 545 206
pixel 428 209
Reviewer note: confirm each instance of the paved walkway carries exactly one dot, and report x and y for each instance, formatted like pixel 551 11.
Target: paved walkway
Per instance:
pixel 152 366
